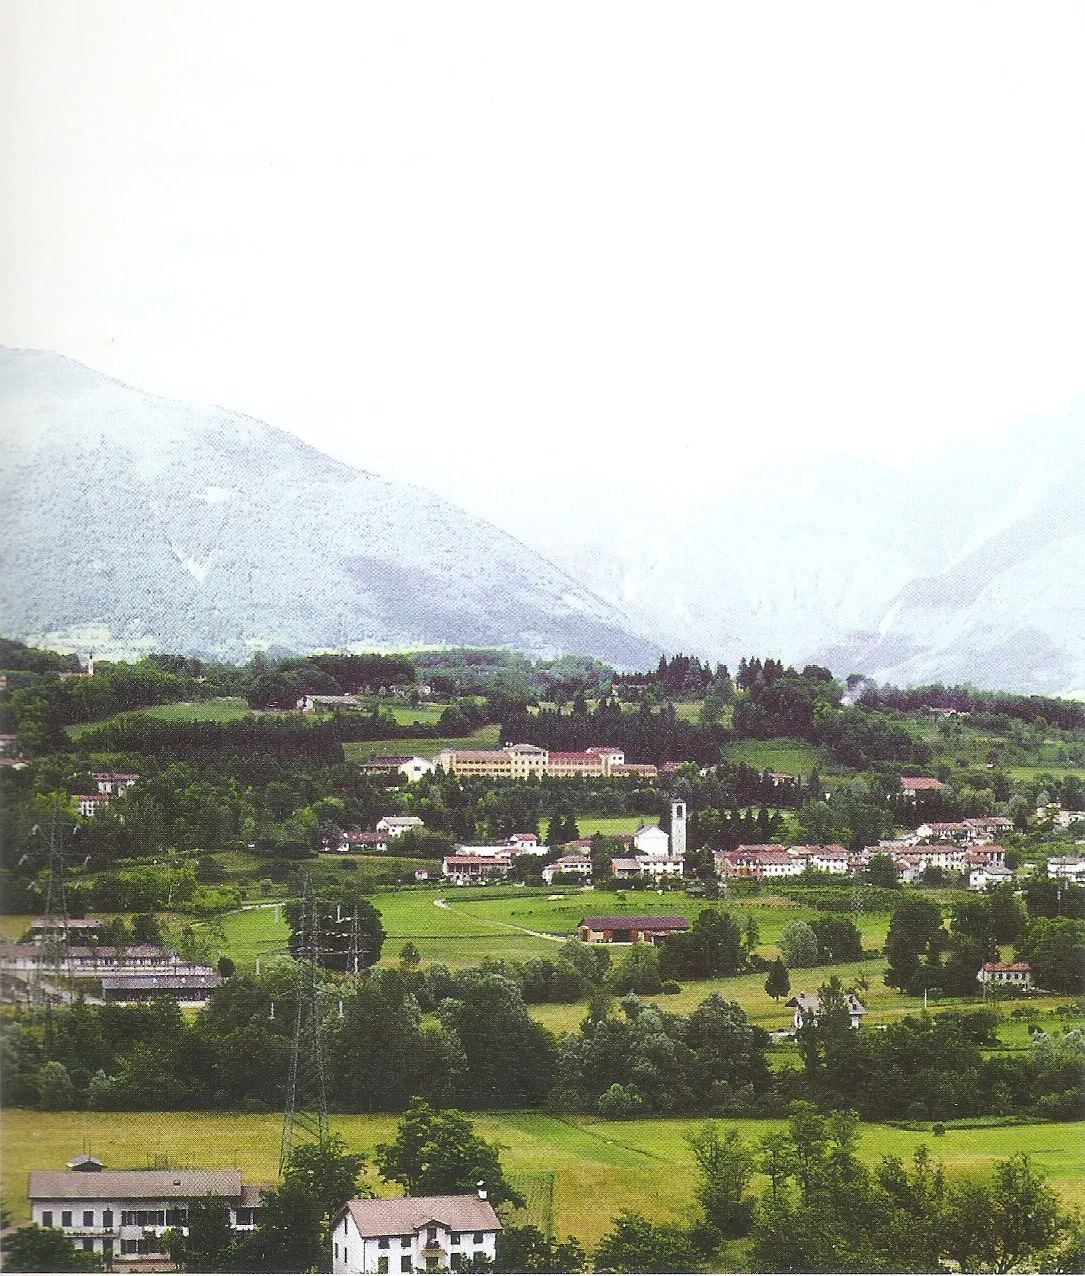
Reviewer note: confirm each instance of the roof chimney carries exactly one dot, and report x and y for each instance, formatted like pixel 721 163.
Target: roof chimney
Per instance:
pixel 481 1185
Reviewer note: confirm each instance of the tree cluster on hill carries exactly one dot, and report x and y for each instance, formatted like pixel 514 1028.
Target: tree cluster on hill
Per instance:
pixel 644 736
pixel 934 1067
pixel 1065 714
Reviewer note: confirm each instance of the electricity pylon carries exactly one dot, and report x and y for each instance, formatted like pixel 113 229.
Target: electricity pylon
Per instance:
pixel 54 952
pixel 306 1114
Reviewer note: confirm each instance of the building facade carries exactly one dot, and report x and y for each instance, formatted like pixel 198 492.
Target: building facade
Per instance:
pixel 414 1234
pixel 123 1214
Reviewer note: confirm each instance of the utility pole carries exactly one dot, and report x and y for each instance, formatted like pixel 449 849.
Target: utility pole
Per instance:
pixel 306 1114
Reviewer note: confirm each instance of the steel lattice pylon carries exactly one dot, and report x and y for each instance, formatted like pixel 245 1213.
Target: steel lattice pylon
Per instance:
pixel 54 958
pixel 306 1114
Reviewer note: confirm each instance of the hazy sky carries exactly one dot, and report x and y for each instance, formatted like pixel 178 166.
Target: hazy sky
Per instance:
pixel 527 245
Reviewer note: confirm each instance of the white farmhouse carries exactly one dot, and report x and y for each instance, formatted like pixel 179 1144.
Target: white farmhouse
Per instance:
pixel 579 864
pixel 1067 868
pixel 414 1234
pixel 123 1214
pixel 394 825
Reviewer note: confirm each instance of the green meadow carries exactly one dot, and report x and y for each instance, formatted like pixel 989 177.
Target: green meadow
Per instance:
pixel 595 1167
pixel 792 756
pixel 610 825
pixel 426 747
pixel 221 709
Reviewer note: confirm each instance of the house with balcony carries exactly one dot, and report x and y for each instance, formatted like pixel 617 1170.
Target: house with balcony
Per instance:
pixel 123 1214
pixel 476 870
pixel 414 1234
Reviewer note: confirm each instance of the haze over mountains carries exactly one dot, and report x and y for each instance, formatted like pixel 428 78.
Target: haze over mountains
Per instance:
pixel 132 522
pixel 135 523
pixel 966 564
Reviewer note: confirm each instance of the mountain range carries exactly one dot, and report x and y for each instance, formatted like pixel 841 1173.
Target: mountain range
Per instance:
pixel 965 564
pixel 135 523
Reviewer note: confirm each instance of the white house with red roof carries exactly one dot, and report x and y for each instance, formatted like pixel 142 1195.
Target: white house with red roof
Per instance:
pixel 1006 974
pixel 475 870
pixel 414 1234
pixel 941 832
pixel 90 804
pixel 527 844
pixel 115 783
pixel 362 842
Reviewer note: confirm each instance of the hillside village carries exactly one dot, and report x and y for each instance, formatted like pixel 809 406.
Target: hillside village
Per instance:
pixel 475 882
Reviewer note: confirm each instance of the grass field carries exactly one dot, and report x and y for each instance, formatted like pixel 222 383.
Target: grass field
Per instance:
pixel 484 738
pixel 13 926
pixel 221 709
pixel 792 756
pixel 595 1167
pixel 612 825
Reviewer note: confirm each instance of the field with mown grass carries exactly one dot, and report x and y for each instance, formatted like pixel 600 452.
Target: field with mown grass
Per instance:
pixel 484 738
pixel 792 756
pixel 596 1167
pixel 220 709
pixel 611 825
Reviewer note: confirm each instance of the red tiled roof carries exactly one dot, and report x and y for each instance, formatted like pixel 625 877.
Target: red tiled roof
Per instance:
pixel 1006 965
pixel 920 782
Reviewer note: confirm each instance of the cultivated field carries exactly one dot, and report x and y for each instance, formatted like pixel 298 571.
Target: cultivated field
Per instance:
pixel 596 1166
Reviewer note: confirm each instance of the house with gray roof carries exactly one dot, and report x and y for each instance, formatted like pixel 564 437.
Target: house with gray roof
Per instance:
pixel 414 1234
pixel 123 1214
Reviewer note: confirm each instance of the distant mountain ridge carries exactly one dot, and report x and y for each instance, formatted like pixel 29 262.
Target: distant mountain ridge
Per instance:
pixel 133 523
pixel 966 565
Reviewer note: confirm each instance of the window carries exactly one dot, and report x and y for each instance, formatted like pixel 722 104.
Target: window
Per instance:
pixel 88 1245
pixel 107 1218
pixel 382 1263
pixel 405 1263
pixel 431 1236
pixel 455 1238
pixel 65 1218
pixel 88 1218
pixel 405 1242
pixel 176 1218
pixel 383 1242
pixel 47 1218
pixel 477 1238
pixel 337 1251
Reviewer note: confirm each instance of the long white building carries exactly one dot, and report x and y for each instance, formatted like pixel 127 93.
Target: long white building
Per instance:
pixel 123 1214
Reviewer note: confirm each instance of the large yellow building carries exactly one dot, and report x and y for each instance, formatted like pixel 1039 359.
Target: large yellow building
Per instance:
pixel 513 762
pixel 518 761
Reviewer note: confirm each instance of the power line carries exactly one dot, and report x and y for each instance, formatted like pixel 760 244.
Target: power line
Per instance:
pixel 306 1114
